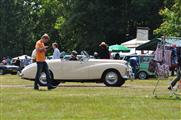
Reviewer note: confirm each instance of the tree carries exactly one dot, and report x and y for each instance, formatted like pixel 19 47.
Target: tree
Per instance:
pixel 75 24
pixel 23 22
pixel 171 25
pixel 87 23
pixel 16 27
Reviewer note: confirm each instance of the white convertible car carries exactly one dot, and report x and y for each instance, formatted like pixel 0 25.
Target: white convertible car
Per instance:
pixel 110 72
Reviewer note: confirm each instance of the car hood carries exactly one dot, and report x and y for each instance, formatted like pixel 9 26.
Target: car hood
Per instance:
pixel 93 60
pixel 11 66
pixel 108 60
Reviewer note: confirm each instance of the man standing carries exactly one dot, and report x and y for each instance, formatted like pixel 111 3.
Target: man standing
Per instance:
pixel 134 65
pixel 56 52
pixel 178 77
pixel 41 63
pixel 103 51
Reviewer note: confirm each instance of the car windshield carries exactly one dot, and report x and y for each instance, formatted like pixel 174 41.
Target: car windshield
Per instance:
pixel 83 55
pixel 146 59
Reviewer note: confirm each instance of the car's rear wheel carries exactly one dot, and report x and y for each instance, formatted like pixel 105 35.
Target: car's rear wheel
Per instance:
pixel 1 72
pixel 142 75
pixel 43 80
pixel 112 78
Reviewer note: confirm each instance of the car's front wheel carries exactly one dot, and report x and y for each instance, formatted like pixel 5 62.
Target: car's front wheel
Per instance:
pixel 1 72
pixel 43 80
pixel 112 78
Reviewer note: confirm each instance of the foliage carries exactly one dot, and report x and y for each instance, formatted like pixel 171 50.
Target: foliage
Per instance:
pixel 16 27
pixel 90 22
pixel 171 25
pixel 74 24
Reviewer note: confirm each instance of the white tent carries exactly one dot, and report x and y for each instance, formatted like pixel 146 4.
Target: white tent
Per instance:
pixel 134 43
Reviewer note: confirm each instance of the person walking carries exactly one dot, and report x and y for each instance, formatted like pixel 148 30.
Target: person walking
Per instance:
pixel 4 62
pixel 41 63
pixel 56 52
pixel 134 65
pixel 178 77
pixel 173 59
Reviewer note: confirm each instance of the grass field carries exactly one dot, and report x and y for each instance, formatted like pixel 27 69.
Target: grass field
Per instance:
pixel 87 101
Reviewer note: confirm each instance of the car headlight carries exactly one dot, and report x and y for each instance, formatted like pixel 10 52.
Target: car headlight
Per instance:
pixel 20 74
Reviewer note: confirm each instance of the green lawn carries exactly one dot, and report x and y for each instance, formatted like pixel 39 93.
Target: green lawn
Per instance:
pixel 87 101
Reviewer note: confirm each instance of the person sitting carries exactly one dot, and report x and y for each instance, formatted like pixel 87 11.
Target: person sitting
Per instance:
pixel 26 61
pixel 73 56
pixel 117 56
pixel 4 61
pixel 17 62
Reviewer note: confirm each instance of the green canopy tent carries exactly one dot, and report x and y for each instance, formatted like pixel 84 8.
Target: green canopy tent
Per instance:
pixel 152 44
pixel 118 48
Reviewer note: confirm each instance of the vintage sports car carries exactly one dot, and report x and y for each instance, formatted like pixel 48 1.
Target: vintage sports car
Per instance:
pixel 110 72
pixel 8 69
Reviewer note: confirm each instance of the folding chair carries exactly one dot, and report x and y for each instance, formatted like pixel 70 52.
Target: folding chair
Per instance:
pixel 162 72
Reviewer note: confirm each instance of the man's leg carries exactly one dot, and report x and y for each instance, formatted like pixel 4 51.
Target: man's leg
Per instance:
pixel 134 72
pixel 172 72
pixel 49 85
pixel 173 83
pixel 39 70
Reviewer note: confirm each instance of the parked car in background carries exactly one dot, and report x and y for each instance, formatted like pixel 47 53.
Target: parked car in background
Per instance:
pixel 8 69
pixel 110 72
pixel 143 61
pixel 22 61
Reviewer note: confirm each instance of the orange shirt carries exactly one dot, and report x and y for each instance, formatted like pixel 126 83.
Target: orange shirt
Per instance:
pixel 40 55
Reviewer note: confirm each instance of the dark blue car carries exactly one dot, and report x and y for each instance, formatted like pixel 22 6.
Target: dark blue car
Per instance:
pixel 8 69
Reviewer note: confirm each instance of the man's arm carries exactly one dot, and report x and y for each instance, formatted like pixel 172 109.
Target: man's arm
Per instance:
pixel 41 49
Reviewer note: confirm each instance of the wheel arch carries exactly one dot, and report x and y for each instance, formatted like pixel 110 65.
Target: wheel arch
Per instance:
pixel 51 74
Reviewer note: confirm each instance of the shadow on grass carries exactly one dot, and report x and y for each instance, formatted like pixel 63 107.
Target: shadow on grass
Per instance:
pixel 79 85
pixel 173 97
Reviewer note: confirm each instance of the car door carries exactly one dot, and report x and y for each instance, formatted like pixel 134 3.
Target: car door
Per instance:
pixel 74 70
pixel 144 63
